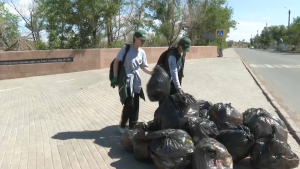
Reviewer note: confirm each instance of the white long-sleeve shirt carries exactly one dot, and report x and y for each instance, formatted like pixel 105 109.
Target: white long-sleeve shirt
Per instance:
pixel 174 68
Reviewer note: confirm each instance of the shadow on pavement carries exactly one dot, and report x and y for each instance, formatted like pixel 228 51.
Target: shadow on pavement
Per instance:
pixel 108 137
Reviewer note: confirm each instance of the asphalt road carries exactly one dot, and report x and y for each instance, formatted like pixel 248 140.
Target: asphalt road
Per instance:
pixel 280 74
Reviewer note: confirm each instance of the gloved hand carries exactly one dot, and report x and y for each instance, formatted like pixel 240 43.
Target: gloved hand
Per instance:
pixel 180 91
pixel 114 82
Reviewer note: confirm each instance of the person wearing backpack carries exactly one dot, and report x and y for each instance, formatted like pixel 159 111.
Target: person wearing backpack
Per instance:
pixel 128 80
pixel 173 61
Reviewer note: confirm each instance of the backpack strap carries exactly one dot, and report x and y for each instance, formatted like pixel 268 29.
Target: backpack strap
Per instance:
pixel 126 51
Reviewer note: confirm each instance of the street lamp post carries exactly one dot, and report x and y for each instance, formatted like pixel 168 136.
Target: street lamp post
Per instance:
pixel 265 34
pixel 289 16
pixel 266 28
pixel 288 22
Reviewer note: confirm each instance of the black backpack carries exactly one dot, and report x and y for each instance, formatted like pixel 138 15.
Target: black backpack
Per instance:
pixel 162 58
pixel 121 63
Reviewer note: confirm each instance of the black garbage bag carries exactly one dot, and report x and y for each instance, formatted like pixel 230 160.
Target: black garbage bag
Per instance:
pixel 200 128
pixel 187 103
pixel 238 140
pixel 204 107
pixel 174 111
pixel 126 140
pixel 204 113
pixel 141 142
pixel 270 153
pixel 260 123
pixel 143 126
pixel 167 116
pixel 225 116
pixel 193 111
pixel 203 104
pixel 172 150
pixel 141 149
pixel 158 86
pixel 210 154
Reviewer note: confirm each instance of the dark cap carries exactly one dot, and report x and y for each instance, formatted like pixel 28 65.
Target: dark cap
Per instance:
pixel 140 34
pixel 185 43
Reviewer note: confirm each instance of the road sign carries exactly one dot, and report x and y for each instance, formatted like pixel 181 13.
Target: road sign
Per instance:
pixel 210 36
pixel 220 33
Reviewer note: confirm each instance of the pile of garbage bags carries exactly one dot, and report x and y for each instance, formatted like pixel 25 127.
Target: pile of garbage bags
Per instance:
pixel 187 133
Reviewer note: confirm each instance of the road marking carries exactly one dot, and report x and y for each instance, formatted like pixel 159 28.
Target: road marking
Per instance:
pixel 65 80
pixel 269 66
pixel 261 66
pixel 277 66
pixel 274 66
pixel 286 66
pixel 9 89
pixel 103 74
pixel 294 66
pixel 192 63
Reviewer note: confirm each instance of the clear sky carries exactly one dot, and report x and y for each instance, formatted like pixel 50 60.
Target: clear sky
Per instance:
pixel 252 15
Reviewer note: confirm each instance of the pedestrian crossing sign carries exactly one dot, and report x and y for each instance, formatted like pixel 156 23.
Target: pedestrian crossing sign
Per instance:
pixel 220 33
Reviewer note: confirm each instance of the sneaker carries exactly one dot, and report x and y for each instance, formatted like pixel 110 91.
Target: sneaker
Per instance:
pixel 122 130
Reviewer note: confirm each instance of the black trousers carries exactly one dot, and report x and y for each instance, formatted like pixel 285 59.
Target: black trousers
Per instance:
pixel 130 110
pixel 173 90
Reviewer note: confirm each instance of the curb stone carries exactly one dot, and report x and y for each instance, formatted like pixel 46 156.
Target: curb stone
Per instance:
pixel 292 127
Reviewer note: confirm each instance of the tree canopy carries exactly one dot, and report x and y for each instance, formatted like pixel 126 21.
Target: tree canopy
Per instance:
pixel 81 24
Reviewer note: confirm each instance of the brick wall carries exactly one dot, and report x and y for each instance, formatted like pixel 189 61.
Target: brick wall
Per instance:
pixel 88 59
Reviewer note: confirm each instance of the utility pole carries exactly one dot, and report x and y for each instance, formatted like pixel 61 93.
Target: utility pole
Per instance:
pixel 256 40
pixel 289 18
pixel 266 30
pixel 289 23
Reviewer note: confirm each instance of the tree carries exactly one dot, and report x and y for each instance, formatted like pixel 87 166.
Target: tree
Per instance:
pixel 58 19
pixel 277 33
pixel 85 23
pixel 266 37
pixel 293 33
pixel 194 20
pixel 205 17
pixel 257 41
pixel 252 41
pixel 168 14
pixel 230 43
pixel 81 24
pixel 34 21
pixel 9 32
pixel 155 40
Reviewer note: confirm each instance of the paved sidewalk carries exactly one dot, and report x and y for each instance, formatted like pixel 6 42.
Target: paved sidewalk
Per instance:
pixel 69 120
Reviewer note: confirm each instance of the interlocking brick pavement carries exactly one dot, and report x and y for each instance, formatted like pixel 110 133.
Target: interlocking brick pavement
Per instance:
pixel 69 120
